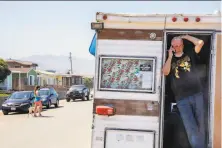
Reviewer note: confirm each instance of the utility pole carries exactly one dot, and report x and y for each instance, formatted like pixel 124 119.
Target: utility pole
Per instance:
pixel 70 58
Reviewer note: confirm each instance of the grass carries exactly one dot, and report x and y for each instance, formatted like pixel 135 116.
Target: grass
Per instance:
pixel 4 95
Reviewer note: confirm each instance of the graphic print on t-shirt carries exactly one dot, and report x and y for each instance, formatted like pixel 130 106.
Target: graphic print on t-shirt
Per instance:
pixel 183 64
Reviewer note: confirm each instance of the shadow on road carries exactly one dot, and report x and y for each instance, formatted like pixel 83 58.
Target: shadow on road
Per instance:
pixel 43 116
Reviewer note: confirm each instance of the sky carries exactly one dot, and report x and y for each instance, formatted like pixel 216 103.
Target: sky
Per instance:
pixel 60 27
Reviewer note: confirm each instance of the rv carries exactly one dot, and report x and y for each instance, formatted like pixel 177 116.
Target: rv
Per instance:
pixel 133 103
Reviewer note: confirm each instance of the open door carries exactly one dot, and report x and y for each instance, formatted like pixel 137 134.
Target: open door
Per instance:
pixel 174 131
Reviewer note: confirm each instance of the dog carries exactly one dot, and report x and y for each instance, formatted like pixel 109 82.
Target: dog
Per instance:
pixel 31 110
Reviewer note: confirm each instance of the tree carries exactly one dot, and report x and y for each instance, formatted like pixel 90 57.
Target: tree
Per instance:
pixel 88 82
pixel 4 70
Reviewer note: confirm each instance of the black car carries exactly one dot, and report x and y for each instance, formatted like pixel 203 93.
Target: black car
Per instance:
pixel 49 97
pixel 77 92
pixel 18 102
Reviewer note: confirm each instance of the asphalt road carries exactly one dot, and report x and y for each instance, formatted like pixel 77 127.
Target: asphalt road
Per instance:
pixel 68 126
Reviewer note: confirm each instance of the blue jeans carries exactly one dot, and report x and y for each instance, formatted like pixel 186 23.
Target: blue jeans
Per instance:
pixel 192 113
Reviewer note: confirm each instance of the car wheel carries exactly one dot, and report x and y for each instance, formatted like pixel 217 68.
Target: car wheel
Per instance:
pixel 67 99
pixel 48 105
pixel 83 97
pixel 5 112
pixel 57 103
pixel 87 97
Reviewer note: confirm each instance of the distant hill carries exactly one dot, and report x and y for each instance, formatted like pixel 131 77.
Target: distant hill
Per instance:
pixel 62 63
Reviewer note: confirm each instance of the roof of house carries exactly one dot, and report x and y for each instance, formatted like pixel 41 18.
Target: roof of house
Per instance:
pixel 20 70
pixel 45 72
pixel 22 62
pixel 70 75
pixel 63 75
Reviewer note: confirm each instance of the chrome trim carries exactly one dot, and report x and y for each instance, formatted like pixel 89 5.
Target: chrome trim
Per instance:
pixel 212 89
pixel 94 87
pixel 162 101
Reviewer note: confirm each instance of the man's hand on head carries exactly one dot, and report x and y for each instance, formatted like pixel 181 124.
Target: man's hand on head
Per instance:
pixel 197 42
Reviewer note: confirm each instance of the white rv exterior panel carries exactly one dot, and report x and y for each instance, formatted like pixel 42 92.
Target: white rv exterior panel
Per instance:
pixel 131 48
pixel 122 122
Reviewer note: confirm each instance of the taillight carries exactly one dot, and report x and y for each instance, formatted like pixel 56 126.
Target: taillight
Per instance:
pixel 105 110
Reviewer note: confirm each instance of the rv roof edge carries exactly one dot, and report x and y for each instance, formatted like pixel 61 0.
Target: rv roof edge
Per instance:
pixel 156 14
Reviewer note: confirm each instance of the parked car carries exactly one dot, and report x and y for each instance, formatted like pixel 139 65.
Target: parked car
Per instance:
pixel 77 92
pixel 18 102
pixel 49 97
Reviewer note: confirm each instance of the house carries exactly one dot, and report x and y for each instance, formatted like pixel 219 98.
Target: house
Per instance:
pixel 71 79
pixel 22 77
pixel 19 78
pixel 45 78
pixel 22 74
pixel 59 78
pixel 76 79
pixel 21 64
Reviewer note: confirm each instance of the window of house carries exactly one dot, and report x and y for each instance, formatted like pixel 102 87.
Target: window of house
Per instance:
pixel 127 74
pixel 77 80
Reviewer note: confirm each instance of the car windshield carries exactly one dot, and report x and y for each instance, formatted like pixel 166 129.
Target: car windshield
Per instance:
pixel 43 92
pixel 20 95
pixel 80 87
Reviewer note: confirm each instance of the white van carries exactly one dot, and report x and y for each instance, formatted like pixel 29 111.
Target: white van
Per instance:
pixel 132 99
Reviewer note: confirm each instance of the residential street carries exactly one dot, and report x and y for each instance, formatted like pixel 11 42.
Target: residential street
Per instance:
pixel 68 126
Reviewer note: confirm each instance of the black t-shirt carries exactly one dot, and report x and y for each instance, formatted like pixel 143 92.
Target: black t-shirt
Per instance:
pixel 185 80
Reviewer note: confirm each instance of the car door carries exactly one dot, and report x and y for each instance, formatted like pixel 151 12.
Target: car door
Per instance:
pixel 53 96
pixel 32 98
pixel 85 91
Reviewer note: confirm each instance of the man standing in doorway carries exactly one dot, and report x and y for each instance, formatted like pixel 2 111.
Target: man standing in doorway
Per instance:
pixel 186 86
